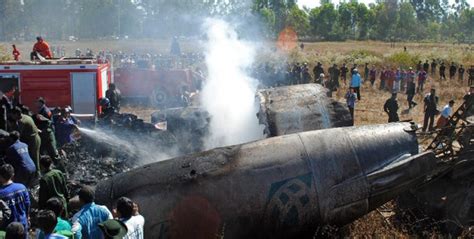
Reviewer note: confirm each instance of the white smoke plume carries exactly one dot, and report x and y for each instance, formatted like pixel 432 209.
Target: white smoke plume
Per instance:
pixel 229 92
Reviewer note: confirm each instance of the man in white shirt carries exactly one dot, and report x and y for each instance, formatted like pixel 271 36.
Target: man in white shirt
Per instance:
pixel 445 114
pixel 127 212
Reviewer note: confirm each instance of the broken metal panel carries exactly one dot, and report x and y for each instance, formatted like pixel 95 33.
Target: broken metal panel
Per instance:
pixel 190 125
pixel 281 187
pixel 299 108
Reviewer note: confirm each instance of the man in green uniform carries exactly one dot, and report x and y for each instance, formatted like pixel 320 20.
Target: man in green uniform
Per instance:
pixel 469 98
pixel 29 133
pixel 470 74
pixel 52 183
pixel 48 140
pixel 391 108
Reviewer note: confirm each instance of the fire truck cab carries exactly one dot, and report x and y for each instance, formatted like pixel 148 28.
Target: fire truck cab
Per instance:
pixel 74 82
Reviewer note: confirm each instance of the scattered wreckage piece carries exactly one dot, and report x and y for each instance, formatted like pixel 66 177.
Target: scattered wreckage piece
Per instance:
pixel 282 110
pixel 449 196
pixel 190 125
pixel 299 108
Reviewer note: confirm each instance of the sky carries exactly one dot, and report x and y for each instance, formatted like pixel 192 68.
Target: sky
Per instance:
pixel 315 3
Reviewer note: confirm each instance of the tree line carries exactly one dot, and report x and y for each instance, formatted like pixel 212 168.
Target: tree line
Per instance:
pixel 388 20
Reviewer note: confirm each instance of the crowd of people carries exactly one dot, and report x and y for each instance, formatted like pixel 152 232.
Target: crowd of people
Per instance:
pixel 174 60
pixel 409 81
pixel 30 146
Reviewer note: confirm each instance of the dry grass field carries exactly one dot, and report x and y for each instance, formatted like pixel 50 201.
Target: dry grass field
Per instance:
pixel 368 111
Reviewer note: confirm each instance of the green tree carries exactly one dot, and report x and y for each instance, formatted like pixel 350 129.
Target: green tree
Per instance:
pixel 267 16
pixel 407 24
pixel 298 19
pixel 466 23
pixel 11 20
pixel 429 10
pixel 322 20
pixel 385 20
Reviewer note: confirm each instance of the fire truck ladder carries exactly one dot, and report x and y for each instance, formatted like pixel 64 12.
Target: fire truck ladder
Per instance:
pixel 442 144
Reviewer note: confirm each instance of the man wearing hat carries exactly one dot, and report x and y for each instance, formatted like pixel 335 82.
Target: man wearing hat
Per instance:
pixel 48 140
pixel 65 126
pixel 113 229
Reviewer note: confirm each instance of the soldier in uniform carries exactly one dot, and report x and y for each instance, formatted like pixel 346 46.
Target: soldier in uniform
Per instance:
pixel 318 70
pixel 29 133
pixel 430 109
pixel 470 73
pixel 5 106
pixel 469 98
pixel 344 71
pixel 48 140
pixel 334 73
pixel 114 95
pixel 391 108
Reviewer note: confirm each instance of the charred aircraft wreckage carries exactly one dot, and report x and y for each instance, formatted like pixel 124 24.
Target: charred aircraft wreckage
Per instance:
pixel 311 170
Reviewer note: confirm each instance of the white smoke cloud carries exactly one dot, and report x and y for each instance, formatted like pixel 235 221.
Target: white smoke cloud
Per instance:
pixel 229 92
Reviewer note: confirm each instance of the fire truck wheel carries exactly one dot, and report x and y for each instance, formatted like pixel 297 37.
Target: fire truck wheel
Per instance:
pixel 159 97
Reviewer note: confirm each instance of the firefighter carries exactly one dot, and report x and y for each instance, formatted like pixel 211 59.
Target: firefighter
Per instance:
pixel 114 96
pixel 16 53
pixel 391 107
pixel 65 125
pixel 108 111
pixel 41 47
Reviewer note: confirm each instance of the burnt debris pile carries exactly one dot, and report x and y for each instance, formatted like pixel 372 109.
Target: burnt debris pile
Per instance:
pixel 86 166
pixel 116 146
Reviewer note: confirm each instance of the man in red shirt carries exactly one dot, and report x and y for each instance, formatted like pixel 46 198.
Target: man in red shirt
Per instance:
pixel 16 53
pixel 41 47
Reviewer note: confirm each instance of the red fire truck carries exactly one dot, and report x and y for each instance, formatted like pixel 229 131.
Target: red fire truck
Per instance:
pixel 158 87
pixel 78 83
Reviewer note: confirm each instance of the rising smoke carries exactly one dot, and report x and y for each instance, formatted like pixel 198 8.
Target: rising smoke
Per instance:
pixel 229 92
